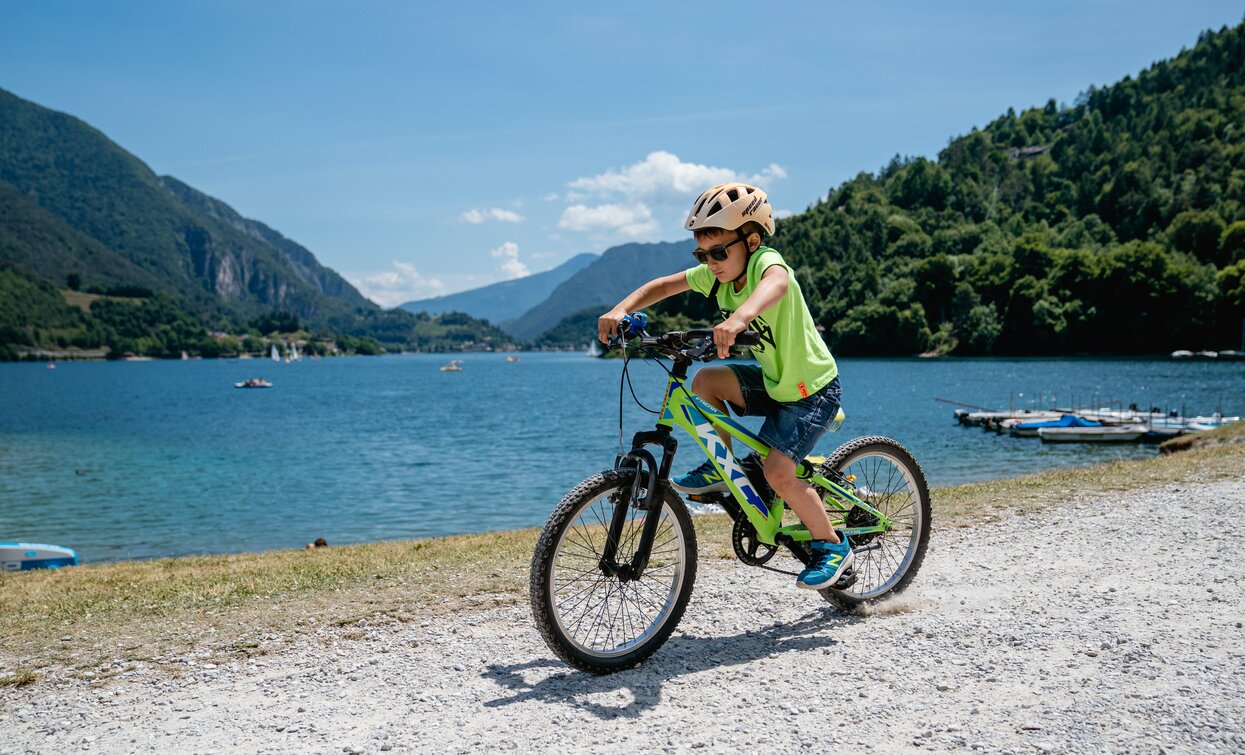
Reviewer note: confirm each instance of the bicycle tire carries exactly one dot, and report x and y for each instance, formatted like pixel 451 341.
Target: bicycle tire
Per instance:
pixel 551 608
pixel 870 457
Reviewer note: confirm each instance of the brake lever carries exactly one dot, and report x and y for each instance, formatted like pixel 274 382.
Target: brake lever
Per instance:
pixel 706 353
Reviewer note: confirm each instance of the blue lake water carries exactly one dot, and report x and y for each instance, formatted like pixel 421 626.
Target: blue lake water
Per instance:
pixel 148 459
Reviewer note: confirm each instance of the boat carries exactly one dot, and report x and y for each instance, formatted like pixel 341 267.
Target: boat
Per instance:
pixel 276 357
pixel 454 365
pixel 1182 354
pixel 1102 434
pixel 1030 429
pixel 185 356
pixel 51 366
pixel 1206 354
pixel 29 556
pixel 991 420
pixel 253 383
pixel 594 349
pixel 1232 355
pixel 512 359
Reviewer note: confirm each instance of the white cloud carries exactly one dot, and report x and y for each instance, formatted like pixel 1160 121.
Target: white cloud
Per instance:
pixel 632 221
pixel 475 217
pixel 393 287
pixel 648 199
pixel 780 214
pixel 510 265
pixel 551 197
pixel 663 173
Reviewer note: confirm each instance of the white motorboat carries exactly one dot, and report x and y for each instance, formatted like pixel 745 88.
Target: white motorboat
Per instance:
pixel 1104 434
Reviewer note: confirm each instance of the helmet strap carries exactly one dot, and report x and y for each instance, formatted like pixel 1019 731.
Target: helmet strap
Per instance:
pixel 747 254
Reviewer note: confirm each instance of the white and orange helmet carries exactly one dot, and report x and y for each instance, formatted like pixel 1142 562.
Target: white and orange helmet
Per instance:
pixel 729 206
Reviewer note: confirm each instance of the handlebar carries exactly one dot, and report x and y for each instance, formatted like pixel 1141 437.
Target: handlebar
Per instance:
pixel 696 344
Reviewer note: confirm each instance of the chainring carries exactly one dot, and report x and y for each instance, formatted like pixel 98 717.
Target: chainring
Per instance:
pixel 748 548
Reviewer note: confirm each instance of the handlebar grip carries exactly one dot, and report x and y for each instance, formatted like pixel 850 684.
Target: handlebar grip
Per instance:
pixel 748 338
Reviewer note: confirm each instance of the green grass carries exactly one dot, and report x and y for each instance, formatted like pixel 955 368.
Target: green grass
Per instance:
pixel 231 606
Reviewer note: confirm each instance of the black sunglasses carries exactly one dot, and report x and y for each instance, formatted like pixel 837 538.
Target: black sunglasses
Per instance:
pixel 717 253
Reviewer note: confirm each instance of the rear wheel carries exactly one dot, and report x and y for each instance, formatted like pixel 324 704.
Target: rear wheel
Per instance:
pixel 887 477
pixel 589 618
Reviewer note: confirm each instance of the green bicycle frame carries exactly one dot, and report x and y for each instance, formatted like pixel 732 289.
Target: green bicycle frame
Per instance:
pixel 683 408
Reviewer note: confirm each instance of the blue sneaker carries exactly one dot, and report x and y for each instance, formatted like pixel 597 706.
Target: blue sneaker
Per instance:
pixel 830 560
pixel 702 479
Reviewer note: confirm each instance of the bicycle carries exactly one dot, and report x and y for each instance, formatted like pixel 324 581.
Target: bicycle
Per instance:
pixel 613 568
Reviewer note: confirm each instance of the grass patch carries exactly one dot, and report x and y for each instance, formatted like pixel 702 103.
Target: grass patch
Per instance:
pixel 242 605
pixel 20 678
pixel 82 300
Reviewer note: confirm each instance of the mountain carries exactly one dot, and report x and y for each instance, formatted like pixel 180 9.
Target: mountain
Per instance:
pixel 619 271
pixel 506 300
pixel 190 245
pixel 78 210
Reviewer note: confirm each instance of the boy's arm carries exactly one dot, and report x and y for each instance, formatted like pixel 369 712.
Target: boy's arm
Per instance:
pixel 769 291
pixel 648 294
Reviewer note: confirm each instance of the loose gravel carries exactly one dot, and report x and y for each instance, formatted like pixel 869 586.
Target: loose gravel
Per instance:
pixel 1113 623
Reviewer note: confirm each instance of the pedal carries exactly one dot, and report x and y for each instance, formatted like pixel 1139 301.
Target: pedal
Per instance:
pixel 846 580
pixel 705 497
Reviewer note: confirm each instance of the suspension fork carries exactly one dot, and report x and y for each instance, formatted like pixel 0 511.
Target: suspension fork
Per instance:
pixel 654 478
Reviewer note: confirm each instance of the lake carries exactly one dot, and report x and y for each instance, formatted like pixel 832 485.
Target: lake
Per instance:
pixel 127 460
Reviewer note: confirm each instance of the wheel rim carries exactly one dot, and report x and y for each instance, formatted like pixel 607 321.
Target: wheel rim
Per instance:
pixel 885 483
pixel 603 616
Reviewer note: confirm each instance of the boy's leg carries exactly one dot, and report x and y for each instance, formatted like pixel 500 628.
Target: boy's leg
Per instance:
pixel 800 496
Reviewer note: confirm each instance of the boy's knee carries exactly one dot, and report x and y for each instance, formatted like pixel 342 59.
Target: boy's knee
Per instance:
pixel 706 383
pixel 779 471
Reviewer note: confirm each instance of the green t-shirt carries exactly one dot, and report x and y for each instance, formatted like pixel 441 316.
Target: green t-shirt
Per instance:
pixel 794 359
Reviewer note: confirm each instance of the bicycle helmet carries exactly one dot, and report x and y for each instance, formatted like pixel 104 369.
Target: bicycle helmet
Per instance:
pixel 729 206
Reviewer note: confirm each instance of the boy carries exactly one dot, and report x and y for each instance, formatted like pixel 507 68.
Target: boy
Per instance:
pixel 794 384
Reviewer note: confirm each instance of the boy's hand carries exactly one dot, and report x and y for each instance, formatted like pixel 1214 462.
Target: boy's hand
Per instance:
pixel 607 324
pixel 724 335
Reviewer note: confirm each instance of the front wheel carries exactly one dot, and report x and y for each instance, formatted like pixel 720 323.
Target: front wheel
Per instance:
pixel 887 477
pixel 591 619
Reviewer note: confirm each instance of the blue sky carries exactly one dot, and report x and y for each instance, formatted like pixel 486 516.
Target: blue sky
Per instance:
pixel 426 148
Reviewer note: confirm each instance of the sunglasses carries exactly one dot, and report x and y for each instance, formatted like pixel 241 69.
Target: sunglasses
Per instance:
pixel 717 253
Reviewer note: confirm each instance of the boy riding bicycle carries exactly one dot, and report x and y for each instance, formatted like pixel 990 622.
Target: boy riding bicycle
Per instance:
pixel 794 384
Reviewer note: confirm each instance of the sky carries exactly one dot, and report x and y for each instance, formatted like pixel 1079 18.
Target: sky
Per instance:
pixel 423 148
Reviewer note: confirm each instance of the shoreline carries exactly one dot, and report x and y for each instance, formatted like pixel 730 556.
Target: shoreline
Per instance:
pixel 71 620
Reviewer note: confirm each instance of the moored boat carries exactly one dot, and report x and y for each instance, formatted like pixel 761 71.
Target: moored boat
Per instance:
pixel 1030 429
pixel 1103 434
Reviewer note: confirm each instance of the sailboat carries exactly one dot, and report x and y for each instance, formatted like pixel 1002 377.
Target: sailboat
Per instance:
pixel 275 356
pixel 594 349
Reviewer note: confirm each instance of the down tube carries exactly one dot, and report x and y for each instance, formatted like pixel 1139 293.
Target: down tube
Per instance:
pixel 698 418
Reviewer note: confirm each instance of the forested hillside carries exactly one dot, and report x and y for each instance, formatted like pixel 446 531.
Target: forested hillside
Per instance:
pixel 1114 225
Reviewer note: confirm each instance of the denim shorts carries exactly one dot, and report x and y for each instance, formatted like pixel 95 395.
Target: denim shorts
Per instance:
pixel 792 429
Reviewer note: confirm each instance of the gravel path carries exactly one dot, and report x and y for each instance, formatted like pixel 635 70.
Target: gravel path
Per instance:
pixel 1081 629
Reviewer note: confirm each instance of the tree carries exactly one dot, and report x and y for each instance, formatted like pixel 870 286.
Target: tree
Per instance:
pixel 1232 243
pixel 1198 232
